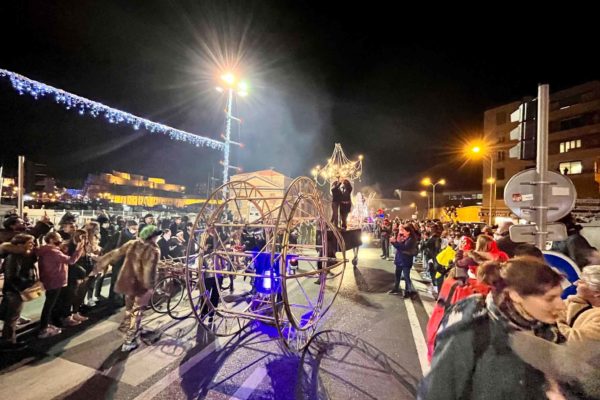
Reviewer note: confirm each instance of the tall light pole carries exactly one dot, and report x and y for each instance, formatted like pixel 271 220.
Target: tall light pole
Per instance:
pixel 414 205
pixel 428 182
pixel 424 193
pixel 486 153
pixel 241 89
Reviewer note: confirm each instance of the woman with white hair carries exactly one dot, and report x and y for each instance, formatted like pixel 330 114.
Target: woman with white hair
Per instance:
pixel 581 320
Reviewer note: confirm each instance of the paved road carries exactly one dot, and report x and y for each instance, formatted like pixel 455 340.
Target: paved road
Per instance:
pixel 370 346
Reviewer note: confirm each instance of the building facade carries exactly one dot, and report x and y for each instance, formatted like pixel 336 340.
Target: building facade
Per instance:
pixel 136 190
pixel 573 148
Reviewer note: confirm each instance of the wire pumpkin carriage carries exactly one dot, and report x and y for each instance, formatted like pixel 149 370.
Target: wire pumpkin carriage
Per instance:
pixel 252 266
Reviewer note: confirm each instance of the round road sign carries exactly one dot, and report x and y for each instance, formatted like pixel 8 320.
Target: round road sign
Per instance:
pixel 520 195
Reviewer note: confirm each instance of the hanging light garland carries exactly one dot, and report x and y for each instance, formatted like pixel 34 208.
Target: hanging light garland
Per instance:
pixel 338 165
pixel 24 85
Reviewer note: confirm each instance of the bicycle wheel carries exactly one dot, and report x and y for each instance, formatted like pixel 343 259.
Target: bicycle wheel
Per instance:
pixel 163 291
pixel 178 305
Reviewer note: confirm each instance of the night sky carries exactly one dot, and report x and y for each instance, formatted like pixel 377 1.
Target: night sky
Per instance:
pixel 402 87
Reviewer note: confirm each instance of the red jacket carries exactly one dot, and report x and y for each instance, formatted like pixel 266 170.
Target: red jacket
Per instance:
pixel 54 266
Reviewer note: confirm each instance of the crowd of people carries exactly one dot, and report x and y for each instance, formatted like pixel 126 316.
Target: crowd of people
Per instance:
pixel 499 311
pixel 69 263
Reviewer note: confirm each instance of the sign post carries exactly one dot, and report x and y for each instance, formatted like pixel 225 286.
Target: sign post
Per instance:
pixel 540 196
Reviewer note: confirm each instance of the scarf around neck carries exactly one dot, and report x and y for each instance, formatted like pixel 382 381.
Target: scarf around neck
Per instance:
pixel 506 312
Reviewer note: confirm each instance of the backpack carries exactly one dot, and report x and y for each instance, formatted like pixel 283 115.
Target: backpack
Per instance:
pixel 451 292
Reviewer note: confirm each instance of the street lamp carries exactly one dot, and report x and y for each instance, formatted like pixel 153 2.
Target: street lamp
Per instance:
pixel 424 193
pixel 240 88
pixel 428 182
pixel 485 152
pixel 414 205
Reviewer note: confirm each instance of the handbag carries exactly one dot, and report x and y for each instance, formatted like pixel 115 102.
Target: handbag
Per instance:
pixel 33 292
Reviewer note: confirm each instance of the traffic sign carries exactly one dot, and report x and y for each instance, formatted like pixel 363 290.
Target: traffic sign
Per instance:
pixel 520 192
pixel 526 233
pixel 567 268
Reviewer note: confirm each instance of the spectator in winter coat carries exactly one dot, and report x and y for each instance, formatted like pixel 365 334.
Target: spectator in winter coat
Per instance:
pixel 503 240
pixel 19 274
pixel 67 226
pixel 581 321
pixel 53 266
pixel 386 233
pixel 406 245
pixel 473 342
pixel 163 244
pixel 177 245
pixel 576 247
pixel 14 225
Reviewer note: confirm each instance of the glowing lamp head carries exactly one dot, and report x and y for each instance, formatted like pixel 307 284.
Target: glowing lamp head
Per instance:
pixel 228 78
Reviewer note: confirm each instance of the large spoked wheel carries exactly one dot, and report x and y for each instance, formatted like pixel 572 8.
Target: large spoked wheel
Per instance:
pixel 224 288
pixel 309 270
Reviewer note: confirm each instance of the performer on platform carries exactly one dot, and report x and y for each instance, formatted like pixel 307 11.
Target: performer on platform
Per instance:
pixel 346 202
pixel 336 199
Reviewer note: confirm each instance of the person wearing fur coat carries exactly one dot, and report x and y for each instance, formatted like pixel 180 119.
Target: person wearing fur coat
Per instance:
pixel 581 321
pixel 136 279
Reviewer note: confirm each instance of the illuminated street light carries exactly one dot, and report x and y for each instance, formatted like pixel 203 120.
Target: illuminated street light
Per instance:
pixel 242 91
pixel 428 182
pixel 484 151
pixel 228 78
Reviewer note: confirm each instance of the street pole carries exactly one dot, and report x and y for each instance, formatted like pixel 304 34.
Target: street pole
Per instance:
pixel 21 185
pixel 541 215
pixel 1 181
pixel 492 182
pixel 433 201
pixel 227 140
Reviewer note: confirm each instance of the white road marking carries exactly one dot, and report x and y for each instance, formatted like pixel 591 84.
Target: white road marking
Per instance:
pixel 250 384
pixel 178 373
pixel 417 334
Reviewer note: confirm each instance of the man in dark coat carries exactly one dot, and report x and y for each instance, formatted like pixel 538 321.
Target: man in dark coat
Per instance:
pixel 503 239
pixel 345 202
pixel 147 220
pixel 163 244
pixel 336 199
pixel 576 247
pixel 67 226
pixel 13 225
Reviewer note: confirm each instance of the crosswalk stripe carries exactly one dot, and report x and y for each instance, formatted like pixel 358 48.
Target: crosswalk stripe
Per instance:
pixel 250 384
pixel 178 373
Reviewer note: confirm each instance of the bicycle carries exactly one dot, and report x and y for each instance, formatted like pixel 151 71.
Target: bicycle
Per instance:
pixel 170 295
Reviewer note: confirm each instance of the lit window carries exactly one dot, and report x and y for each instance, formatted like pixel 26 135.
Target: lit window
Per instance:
pixel 570 145
pixel 570 168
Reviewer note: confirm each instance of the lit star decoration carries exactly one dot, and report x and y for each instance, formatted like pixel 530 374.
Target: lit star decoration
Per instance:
pixel 24 85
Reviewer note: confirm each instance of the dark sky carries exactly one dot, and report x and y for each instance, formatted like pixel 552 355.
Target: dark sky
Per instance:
pixel 402 87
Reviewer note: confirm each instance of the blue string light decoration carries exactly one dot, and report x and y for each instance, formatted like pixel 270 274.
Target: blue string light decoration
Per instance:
pixel 24 85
